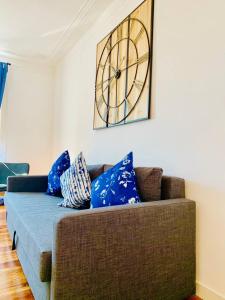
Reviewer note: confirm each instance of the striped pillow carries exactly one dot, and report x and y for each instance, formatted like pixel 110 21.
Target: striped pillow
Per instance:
pixel 76 185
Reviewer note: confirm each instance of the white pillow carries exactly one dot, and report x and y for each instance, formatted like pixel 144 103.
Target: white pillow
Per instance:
pixel 76 185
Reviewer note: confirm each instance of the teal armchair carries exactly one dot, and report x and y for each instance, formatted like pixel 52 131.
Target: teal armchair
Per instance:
pixel 11 169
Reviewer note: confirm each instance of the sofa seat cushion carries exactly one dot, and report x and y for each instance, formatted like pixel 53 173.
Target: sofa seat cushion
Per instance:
pixel 33 215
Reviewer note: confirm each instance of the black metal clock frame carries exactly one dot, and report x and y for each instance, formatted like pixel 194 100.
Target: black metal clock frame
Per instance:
pixel 118 71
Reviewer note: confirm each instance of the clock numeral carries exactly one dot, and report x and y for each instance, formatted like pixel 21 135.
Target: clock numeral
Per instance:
pixel 143 58
pixel 108 47
pixel 129 104
pixel 105 114
pixel 101 66
pixel 132 23
pixel 138 84
pixel 139 35
pixel 100 101
pixel 116 116
pixel 119 33
pixel 98 86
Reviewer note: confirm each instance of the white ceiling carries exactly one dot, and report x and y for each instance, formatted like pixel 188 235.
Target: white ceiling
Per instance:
pixel 45 29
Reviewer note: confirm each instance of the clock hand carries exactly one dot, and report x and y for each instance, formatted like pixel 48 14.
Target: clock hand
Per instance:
pixel 108 84
pixel 129 66
pixel 121 62
pixel 108 79
pixel 114 70
pixel 110 66
pixel 99 85
pixel 140 60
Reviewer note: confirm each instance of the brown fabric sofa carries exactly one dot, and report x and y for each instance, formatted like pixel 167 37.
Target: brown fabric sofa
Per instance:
pixel 133 252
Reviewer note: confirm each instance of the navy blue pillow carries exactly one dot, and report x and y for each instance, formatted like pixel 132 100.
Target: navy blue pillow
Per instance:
pixel 116 186
pixel 58 168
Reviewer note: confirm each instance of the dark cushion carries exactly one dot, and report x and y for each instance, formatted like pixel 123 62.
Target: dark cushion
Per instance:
pixel 148 182
pixel 172 187
pixel 95 171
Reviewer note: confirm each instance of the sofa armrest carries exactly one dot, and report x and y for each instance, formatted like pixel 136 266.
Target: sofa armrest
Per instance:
pixel 141 251
pixel 27 183
pixel 172 187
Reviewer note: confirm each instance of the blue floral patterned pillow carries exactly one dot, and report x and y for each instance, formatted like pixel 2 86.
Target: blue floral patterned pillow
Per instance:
pixel 116 186
pixel 58 168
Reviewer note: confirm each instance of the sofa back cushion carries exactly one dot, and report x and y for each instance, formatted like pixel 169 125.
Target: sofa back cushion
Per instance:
pixel 172 187
pixel 95 171
pixel 151 184
pixel 148 182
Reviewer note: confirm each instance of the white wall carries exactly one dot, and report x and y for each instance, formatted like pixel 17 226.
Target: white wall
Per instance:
pixel 186 135
pixel 26 116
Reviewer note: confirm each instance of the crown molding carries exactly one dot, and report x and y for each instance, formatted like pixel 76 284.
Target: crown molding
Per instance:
pixel 64 40
pixel 11 57
pixel 63 44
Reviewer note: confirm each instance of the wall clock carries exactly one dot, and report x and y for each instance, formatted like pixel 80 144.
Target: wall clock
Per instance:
pixel 123 71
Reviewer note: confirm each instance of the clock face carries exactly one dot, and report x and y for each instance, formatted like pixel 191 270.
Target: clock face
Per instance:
pixel 123 72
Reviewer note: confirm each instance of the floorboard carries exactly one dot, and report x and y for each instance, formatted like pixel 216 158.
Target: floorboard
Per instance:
pixel 13 284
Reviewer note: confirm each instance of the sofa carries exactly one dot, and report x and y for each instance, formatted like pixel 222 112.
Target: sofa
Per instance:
pixel 134 252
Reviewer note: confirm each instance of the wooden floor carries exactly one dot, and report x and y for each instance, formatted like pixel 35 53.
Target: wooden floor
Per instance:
pixel 13 284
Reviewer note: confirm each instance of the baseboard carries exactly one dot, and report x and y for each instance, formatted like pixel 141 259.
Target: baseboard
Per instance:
pixel 207 294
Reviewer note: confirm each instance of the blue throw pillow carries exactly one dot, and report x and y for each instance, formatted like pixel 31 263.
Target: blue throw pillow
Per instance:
pixel 58 168
pixel 116 186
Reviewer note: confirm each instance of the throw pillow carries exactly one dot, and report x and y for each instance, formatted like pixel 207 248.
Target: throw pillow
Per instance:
pixel 148 182
pixel 58 168
pixel 116 186
pixel 76 185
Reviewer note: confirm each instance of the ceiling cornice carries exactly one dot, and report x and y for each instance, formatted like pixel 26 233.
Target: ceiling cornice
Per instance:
pixel 64 39
pixel 9 56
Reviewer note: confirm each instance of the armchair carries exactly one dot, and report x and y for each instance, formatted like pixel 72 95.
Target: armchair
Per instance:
pixel 10 169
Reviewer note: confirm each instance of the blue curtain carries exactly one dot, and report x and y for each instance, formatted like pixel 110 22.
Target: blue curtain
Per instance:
pixel 3 75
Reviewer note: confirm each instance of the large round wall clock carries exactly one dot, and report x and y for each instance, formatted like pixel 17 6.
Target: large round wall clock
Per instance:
pixel 123 72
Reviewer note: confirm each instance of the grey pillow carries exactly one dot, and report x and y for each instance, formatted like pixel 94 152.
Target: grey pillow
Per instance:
pixel 149 183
